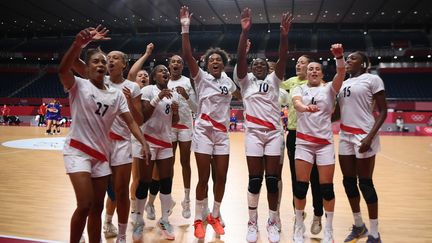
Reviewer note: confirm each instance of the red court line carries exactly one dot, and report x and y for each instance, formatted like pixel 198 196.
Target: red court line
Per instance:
pixel 14 239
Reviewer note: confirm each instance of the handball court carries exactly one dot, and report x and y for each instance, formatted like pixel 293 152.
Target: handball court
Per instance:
pixel 37 198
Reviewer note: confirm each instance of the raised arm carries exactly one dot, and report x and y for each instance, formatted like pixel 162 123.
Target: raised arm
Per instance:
pixel 65 69
pixel 136 67
pixel 339 77
pixel 246 23
pixel 283 45
pixel 185 19
pixel 99 33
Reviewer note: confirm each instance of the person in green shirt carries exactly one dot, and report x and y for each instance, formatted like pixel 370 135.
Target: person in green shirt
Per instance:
pixel 289 85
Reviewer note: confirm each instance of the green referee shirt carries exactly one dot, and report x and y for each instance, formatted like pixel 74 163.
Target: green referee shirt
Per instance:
pixel 289 86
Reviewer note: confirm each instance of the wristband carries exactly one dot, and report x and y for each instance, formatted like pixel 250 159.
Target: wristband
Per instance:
pixel 340 62
pixel 185 29
pixel 185 22
pixel 155 101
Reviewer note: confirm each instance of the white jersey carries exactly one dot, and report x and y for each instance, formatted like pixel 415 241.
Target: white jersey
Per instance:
pixel 119 129
pixel 214 98
pixel 157 129
pixel 315 127
pixel 261 101
pixel 93 112
pixel 356 103
pixel 186 107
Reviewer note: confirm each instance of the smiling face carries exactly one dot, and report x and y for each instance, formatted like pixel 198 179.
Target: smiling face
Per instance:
pixel 356 64
pixel 160 75
pixel 97 67
pixel 176 66
pixel 301 67
pixel 314 74
pixel 116 62
pixel 142 78
pixel 259 68
pixel 215 65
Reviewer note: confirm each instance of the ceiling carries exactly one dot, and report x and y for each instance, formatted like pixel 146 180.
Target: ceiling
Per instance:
pixel 58 16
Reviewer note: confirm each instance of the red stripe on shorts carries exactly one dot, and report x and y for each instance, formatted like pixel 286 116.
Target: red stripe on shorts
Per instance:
pixel 352 130
pixel 158 142
pixel 216 124
pixel 115 136
pixel 180 126
pixel 261 122
pixel 88 150
pixel 312 139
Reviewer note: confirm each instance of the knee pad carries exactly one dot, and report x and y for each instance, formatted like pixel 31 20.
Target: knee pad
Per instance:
pixel 154 187
pixel 110 190
pixel 142 190
pixel 368 190
pixel 300 189
pixel 255 183
pixel 166 185
pixel 272 184
pixel 327 191
pixel 350 185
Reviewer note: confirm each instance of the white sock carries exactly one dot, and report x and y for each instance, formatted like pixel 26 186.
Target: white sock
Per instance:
pixel 358 221
pixel 205 203
pixel 299 217
pixel 280 186
pixel 108 218
pixel 216 209
pixel 273 215
pixel 139 213
pixel 187 192
pixel 133 205
pixel 253 206
pixel 373 228
pixel 151 199
pixel 122 229
pixel 166 202
pixel 329 220
pixel 199 206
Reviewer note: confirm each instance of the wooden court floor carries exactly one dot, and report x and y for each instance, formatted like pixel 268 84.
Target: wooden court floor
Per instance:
pixel 37 200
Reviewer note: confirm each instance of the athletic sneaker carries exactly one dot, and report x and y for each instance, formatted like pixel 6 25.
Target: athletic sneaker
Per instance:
pixel 121 238
pixel 109 230
pixel 316 226
pixel 199 230
pixel 371 239
pixel 138 231
pixel 252 233
pixel 167 229
pixel 186 213
pixel 215 223
pixel 356 233
pixel 298 233
pixel 328 236
pixel 150 210
pixel 272 232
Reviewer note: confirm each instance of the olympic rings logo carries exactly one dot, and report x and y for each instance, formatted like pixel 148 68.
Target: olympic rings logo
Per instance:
pixel 417 117
pixel 428 130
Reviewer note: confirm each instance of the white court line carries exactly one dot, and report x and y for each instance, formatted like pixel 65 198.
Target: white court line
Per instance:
pixel 28 239
pixel 405 163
